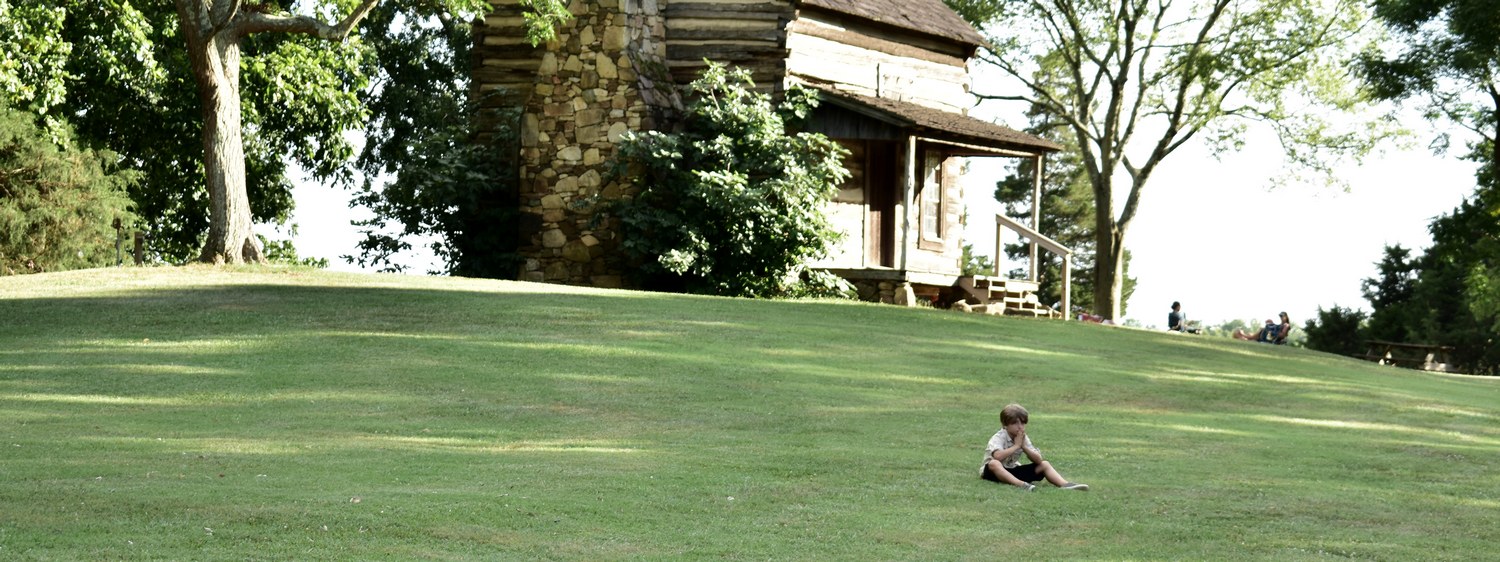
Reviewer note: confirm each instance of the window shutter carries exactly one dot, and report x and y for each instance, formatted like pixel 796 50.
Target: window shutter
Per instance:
pixel 930 221
pixel 952 206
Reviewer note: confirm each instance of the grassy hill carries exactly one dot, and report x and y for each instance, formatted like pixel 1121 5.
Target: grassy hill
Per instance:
pixel 288 414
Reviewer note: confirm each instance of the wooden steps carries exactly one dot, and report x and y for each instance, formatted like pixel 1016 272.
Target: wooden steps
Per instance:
pixel 1017 297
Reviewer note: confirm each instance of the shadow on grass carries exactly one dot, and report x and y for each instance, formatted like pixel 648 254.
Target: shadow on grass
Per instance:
pixel 362 361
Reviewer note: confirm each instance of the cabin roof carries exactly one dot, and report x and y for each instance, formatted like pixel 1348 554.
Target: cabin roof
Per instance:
pixel 939 124
pixel 925 16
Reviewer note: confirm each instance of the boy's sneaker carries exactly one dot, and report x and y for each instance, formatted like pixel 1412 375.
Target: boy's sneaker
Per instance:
pixel 1075 486
pixel 1027 487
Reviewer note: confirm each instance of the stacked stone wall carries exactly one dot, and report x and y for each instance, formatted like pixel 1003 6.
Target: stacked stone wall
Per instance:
pixel 875 291
pixel 589 91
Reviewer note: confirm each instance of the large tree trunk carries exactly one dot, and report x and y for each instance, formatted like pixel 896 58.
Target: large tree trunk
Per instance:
pixel 1495 140
pixel 215 55
pixel 1109 235
pixel 1109 275
pixel 214 29
pixel 1109 250
pixel 1109 266
pixel 230 235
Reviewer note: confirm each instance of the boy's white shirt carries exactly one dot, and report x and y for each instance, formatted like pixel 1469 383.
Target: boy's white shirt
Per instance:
pixel 1002 440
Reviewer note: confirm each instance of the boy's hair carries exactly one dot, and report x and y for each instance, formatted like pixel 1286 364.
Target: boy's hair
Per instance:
pixel 1014 413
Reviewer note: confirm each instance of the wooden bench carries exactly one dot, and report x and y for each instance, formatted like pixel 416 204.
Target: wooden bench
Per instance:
pixel 1410 355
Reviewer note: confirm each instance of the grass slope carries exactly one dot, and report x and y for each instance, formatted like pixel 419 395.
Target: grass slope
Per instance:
pixel 288 414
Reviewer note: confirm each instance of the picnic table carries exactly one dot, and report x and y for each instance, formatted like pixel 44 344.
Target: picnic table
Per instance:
pixel 1410 355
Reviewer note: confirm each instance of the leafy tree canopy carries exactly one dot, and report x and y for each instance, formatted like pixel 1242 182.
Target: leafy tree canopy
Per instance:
pixel 31 73
pixel 1448 52
pixel 118 70
pixel 428 171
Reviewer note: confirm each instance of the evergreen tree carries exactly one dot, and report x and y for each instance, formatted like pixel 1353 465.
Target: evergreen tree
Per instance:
pixel 59 207
pixel 1396 318
pixel 1425 299
pixel 1462 244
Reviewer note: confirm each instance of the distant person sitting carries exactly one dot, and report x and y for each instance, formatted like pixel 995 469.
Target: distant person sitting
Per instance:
pixel 1177 320
pixel 1271 333
pixel 1085 316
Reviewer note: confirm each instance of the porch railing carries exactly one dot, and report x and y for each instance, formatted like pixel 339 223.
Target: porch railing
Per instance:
pixel 1037 240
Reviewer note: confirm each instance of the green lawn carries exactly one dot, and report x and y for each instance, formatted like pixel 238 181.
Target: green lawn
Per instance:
pixel 266 414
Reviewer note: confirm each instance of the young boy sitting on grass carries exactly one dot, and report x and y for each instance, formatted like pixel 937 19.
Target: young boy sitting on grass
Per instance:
pixel 1002 457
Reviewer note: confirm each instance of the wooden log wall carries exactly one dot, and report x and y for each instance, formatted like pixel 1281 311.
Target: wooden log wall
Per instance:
pixel 878 62
pixel 847 214
pixel 504 68
pixel 750 34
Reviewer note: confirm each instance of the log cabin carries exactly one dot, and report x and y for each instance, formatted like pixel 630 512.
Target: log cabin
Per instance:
pixel 893 77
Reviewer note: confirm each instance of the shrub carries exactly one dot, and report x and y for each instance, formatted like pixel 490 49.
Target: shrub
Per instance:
pixel 1337 330
pixel 732 203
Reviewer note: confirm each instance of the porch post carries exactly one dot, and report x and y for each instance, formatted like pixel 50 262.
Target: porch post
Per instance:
pixel 1036 212
pixel 909 169
pixel 999 247
pixel 1067 286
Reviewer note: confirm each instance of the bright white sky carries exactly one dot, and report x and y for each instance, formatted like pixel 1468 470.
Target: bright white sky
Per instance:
pixel 1203 235
pixel 1201 239
pixel 322 217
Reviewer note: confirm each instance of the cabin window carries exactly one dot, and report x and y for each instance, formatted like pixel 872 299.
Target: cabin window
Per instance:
pixel 933 202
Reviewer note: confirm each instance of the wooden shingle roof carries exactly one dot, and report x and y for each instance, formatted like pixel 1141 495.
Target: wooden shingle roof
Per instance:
pixel 932 17
pixel 939 124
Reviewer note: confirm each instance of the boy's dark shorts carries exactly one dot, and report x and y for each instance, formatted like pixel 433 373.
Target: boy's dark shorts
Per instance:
pixel 1024 473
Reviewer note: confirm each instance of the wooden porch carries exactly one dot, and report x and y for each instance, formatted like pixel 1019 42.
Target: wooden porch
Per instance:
pixel 1018 296
pixel 1008 296
pixel 993 294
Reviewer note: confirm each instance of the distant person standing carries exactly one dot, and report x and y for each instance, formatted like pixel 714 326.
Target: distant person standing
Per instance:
pixel 1177 320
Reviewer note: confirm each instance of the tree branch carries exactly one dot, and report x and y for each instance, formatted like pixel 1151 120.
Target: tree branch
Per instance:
pixel 268 23
pixel 1495 139
pixel 1044 97
pixel 221 18
pixel 1165 145
pixel 1124 24
pixel 1143 84
pixel 1004 98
